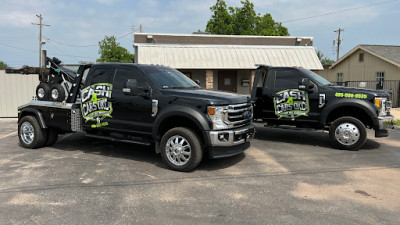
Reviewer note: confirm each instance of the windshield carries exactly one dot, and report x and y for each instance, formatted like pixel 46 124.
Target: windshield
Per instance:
pixel 315 77
pixel 165 78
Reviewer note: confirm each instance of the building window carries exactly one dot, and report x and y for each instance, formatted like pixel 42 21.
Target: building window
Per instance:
pixel 361 57
pixel 380 78
pixel 339 78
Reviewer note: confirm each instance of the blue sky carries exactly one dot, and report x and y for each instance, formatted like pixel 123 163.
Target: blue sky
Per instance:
pixel 85 23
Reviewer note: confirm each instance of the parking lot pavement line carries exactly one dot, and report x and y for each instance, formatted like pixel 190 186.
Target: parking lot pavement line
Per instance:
pixel 8 135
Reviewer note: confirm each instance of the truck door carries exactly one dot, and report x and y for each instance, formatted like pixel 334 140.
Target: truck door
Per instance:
pixel 131 113
pixel 284 102
pixel 95 105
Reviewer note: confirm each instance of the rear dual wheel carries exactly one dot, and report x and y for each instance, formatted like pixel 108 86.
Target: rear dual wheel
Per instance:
pixel 31 135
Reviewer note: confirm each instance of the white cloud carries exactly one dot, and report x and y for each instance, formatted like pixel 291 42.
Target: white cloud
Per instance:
pixel 16 19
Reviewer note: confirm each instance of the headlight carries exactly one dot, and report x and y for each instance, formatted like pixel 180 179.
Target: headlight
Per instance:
pixel 380 103
pixel 218 115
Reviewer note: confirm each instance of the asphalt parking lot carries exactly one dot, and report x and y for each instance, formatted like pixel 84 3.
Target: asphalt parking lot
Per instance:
pixel 286 177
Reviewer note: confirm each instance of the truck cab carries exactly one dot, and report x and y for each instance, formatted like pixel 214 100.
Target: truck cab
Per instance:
pixel 292 97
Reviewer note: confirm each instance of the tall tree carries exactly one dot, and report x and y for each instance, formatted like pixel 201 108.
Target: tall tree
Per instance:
pixel 242 21
pixel 221 20
pixel 325 61
pixel 111 51
pixel 3 65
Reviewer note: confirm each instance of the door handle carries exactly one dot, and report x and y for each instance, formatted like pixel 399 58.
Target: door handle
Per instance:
pixel 111 99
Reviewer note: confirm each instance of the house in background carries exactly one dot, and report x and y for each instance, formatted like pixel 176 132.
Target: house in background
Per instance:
pixel 366 63
pixel 368 66
pixel 224 62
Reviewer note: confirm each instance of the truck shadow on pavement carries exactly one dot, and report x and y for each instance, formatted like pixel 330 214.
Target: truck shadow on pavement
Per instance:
pixel 304 137
pixel 138 153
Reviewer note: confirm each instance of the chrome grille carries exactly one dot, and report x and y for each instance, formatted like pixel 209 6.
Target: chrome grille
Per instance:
pixel 388 106
pixel 240 115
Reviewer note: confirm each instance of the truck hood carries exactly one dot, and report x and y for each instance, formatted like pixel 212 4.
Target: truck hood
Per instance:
pixel 213 97
pixel 376 93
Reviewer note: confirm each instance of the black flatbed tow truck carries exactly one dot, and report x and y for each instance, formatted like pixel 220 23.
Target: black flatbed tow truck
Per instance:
pixel 141 104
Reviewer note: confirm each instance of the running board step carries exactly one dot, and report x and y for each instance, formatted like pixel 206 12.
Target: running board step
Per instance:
pixel 288 127
pixel 139 141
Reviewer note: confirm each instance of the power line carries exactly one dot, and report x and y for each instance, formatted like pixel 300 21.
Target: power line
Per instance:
pixel 84 46
pixel 66 54
pixel 339 11
pixel 11 46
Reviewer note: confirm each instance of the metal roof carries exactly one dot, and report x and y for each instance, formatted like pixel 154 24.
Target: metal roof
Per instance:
pixel 226 35
pixel 226 56
pixel 389 53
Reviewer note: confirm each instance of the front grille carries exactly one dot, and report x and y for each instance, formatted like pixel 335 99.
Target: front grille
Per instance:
pixel 388 106
pixel 240 115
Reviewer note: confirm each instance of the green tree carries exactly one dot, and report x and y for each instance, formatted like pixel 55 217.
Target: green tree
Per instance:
pixel 242 21
pixel 111 51
pixel 325 61
pixel 3 65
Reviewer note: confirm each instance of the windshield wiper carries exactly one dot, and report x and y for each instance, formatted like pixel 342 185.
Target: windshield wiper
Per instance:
pixel 173 87
pixel 179 87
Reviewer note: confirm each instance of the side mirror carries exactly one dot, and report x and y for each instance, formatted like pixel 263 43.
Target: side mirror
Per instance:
pixel 197 82
pixel 306 85
pixel 132 88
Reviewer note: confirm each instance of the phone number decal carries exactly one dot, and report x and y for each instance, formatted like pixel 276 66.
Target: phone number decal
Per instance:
pixel 349 95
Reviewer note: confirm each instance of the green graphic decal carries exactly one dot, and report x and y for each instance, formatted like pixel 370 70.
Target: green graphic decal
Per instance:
pixel 349 95
pixel 291 103
pixel 95 105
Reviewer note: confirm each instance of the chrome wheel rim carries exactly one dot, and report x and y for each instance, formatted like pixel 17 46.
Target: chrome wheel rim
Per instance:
pixel 27 133
pixel 347 134
pixel 54 93
pixel 40 93
pixel 178 150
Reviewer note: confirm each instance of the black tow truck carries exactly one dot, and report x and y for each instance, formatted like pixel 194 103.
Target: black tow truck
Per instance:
pixel 297 98
pixel 141 104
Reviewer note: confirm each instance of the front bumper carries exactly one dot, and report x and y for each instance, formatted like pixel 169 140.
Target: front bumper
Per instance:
pixel 383 123
pixel 225 143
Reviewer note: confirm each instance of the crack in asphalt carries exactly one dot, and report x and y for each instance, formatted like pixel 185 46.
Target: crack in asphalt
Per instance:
pixel 183 180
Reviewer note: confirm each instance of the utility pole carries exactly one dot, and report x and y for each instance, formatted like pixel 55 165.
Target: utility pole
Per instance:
pixel 141 30
pixel 339 42
pixel 40 24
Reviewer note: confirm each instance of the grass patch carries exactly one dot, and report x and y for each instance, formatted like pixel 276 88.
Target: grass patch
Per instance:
pixel 396 122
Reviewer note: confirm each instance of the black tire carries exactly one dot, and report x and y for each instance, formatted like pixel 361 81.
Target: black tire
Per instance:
pixel 191 140
pixel 52 136
pixel 348 133
pixel 43 92
pixel 38 135
pixel 57 93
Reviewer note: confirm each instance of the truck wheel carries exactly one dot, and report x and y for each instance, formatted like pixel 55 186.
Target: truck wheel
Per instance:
pixel 43 92
pixel 348 133
pixel 52 136
pixel 57 93
pixel 181 149
pixel 30 134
